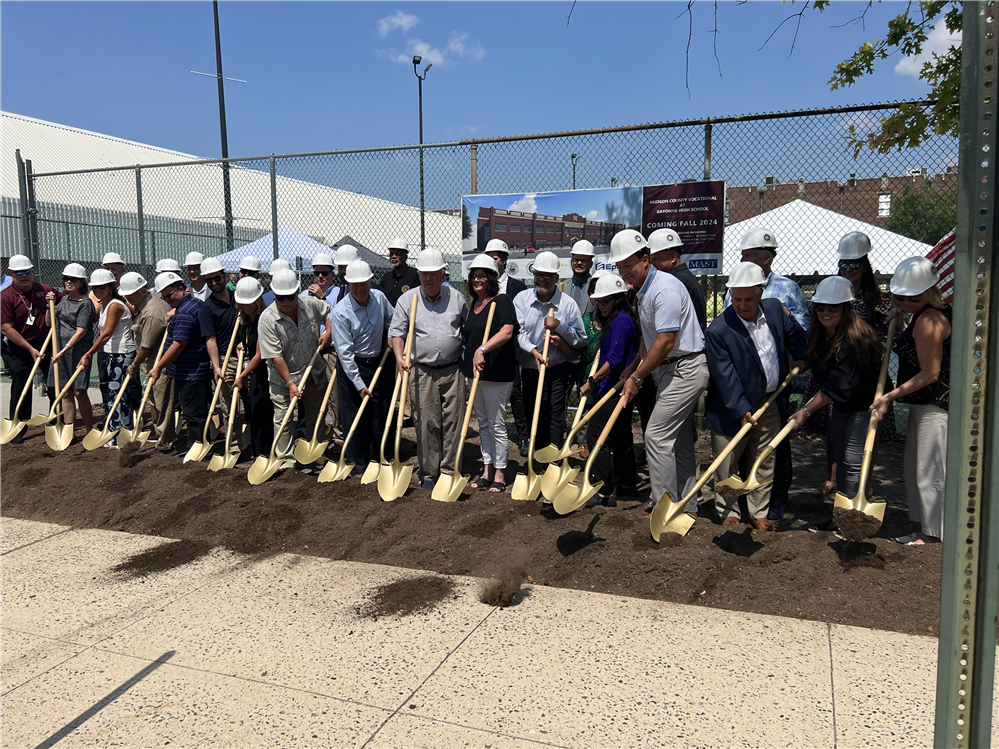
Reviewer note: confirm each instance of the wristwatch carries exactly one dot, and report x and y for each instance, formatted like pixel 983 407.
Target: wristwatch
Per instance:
pixel 636 380
pixel 483 350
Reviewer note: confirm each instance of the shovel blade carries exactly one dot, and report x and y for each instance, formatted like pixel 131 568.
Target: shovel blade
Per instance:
pixel 141 437
pixel 551 453
pixel 556 478
pixel 307 451
pixel 526 487
pixel 58 436
pixel 39 419
pixel 371 473
pixel 197 452
pixel 244 437
pixel 10 429
pixel 98 438
pixel 668 517
pixel 874 509
pixel 449 488
pixel 262 469
pixel 218 462
pixel 393 480
pixel 572 497
pixel 214 427
pixel 336 471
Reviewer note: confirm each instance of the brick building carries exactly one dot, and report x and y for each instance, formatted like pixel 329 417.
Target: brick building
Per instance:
pixel 523 230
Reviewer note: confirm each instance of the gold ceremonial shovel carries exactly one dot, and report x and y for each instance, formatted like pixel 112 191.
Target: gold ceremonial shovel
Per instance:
pixel 528 486
pixel 100 437
pixel 10 428
pixel 393 478
pixel 137 433
pixel 668 516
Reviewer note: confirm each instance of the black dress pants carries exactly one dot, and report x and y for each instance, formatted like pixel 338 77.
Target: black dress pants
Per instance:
pixel 20 363
pixel 365 443
pixel 554 399
pixel 620 443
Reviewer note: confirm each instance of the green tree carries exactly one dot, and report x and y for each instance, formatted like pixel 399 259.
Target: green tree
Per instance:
pixel 466 223
pixel 924 214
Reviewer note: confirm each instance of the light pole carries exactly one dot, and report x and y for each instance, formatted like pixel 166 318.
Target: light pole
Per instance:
pixel 613 181
pixel 575 158
pixel 423 219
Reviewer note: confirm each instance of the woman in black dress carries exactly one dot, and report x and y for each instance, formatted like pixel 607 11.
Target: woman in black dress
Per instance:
pixel 257 404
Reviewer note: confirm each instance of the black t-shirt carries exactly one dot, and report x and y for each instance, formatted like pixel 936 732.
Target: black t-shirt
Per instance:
pixel 501 363
pixel 217 320
pixel 842 378
pixel 395 286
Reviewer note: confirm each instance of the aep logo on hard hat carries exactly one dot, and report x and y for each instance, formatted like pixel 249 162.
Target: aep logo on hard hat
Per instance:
pixel 530 269
pixel 766 237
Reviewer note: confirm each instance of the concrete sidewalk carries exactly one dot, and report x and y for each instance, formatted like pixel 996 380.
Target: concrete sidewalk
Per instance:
pixel 236 652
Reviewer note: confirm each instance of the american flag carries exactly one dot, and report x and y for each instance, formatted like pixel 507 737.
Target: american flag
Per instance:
pixel 943 261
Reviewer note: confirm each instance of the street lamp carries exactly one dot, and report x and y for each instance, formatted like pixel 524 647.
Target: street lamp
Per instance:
pixel 613 181
pixel 575 158
pixel 423 226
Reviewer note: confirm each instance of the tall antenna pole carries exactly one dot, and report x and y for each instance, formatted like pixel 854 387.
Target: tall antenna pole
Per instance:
pixel 225 141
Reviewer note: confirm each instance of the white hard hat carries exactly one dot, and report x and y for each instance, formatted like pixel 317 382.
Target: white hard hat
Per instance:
pixel 430 260
pixel 194 258
pixel 758 238
pixel 100 277
pixel 546 262
pixel 211 265
pixel 75 270
pixel 358 272
pixel 20 262
pixel 626 243
pixel 248 290
pixel 285 282
pixel 131 283
pixel 346 254
pixel 279 264
pixel 913 276
pixel 112 257
pixel 167 263
pixel 746 274
pixel 249 263
pixel 854 246
pixel 399 244
pixel 609 285
pixel 484 262
pixel 497 245
pixel 583 247
pixel 322 258
pixel 833 290
pixel 165 279
pixel 664 239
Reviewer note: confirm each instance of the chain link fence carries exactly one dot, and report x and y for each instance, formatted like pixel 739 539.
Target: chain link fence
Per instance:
pixel 795 173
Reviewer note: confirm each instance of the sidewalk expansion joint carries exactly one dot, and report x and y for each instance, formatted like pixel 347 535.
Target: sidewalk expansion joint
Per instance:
pixel 832 685
pixel 36 541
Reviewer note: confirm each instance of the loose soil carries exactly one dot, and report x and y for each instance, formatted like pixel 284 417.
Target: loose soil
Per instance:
pixel 405 597
pixel 865 582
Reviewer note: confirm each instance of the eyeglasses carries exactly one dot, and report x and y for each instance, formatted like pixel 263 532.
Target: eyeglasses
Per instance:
pixel 851 264
pixel 214 279
pixel 28 272
pixel 317 272
pixel 901 298
pixel 828 307
pixel 480 277
pixel 248 273
pixel 67 279
pixel 284 297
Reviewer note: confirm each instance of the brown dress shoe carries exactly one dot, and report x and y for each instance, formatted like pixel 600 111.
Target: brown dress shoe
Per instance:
pixel 762 524
pixel 731 520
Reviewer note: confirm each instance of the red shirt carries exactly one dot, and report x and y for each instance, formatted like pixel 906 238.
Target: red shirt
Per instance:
pixel 17 306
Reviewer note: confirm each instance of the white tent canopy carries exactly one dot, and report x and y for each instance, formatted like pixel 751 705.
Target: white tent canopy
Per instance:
pixel 293 246
pixel 808 237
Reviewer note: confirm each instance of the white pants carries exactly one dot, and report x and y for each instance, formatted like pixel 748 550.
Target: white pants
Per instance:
pixel 490 411
pixel 925 466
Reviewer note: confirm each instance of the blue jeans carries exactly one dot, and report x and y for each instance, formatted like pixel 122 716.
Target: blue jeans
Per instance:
pixel 114 370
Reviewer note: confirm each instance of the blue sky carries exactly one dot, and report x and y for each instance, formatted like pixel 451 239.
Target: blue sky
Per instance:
pixel 337 75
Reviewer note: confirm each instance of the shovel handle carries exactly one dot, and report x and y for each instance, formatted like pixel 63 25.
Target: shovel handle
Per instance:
pixel 55 350
pixel 218 385
pixel 617 388
pixel 408 355
pixel 149 385
pixel 117 400
pixel 322 409
pixel 541 386
pixel 233 405
pixel 872 424
pixel 388 421
pixel 765 452
pixel 294 402
pixel 31 375
pixel 471 395
pixel 605 433
pixel 582 401
pixel 738 437
pixel 364 401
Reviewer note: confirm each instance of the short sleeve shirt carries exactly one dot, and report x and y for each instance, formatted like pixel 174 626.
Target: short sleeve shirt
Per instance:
pixel 437 330
pixel 396 286
pixel 149 322
pixel 664 306
pixel 193 362
pixel 281 337
pixel 501 363
pixel 72 314
pixel 217 319
pixel 26 311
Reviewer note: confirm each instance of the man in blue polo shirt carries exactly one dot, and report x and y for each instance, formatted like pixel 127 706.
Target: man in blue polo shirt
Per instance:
pixel 185 355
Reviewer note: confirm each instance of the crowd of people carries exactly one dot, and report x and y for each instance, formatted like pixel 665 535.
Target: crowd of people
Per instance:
pixel 644 332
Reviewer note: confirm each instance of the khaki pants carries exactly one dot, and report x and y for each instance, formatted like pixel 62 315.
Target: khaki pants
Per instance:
pixel 332 416
pixel 438 398
pixel 757 501
pixel 311 400
pixel 162 402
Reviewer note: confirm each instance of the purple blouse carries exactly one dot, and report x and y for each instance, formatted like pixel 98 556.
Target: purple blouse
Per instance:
pixel 617 349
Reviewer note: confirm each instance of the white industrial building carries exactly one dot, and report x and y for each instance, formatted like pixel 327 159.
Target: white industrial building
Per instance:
pixel 82 216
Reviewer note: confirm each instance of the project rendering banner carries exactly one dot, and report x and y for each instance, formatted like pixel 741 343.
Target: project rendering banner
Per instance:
pixel 555 221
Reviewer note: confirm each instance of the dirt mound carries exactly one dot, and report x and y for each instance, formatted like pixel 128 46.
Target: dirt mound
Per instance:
pixel 164 557
pixel 855 525
pixel 407 597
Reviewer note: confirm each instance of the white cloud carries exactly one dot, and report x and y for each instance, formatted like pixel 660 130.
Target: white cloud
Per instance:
pixel 939 41
pixel 526 204
pixel 457 47
pixel 592 215
pixel 400 20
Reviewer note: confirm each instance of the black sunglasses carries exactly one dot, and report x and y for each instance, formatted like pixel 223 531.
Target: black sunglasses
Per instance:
pixel 322 272
pixel 851 264
pixel 283 297
pixel 819 307
pixel 214 279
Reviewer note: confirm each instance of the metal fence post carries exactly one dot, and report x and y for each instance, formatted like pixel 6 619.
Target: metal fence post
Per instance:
pixel 970 575
pixel 35 254
pixel 274 219
pixel 22 186
pixel 141 219
pixel 707 151
pixel 152 251
pixel 474 148
pixel 69 258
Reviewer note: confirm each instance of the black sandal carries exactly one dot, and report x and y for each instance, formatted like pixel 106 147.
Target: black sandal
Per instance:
pixel 497 487
pixel 481 483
